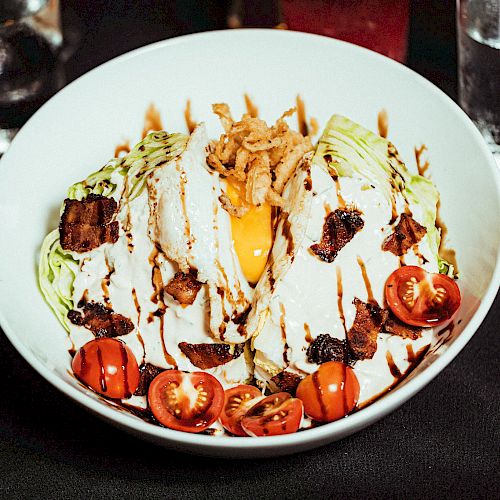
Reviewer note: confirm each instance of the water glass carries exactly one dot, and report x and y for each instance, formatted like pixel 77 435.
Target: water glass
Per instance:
pixel 30 39
pixel 478 31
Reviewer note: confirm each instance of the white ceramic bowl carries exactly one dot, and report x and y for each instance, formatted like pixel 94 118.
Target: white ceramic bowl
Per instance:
pixel 77 130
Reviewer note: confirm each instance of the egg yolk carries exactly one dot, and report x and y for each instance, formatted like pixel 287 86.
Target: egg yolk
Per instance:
pixel 252 233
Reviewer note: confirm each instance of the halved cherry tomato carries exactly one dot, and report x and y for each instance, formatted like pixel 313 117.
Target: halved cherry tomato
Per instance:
pixel 108 366
pixel 188 402
pixel 237 401
pixel 420 298
pixel 330 393
pixel 277 414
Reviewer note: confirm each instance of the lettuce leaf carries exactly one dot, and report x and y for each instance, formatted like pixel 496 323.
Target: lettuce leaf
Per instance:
pixel 155 149
pixel 58 268
pixel 352 150
pixel 56 273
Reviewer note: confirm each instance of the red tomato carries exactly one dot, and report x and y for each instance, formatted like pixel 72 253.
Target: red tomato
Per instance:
pixel 277 414
pixel 108 366
pixel 188 402
pixel 329 393
pixel 237 401
pixel 420 298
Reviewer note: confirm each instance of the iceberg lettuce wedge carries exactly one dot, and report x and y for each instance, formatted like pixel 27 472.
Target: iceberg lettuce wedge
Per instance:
pixel 121 178
pixel 349 150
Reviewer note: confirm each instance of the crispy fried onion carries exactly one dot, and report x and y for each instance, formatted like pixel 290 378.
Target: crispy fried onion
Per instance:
pixel 262 157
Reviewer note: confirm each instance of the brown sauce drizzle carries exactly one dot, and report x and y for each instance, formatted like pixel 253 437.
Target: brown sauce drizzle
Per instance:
pixel 105 290
pixel 102 370
pixel 368 286
pixel 394 210
pixel 340 199
pixel 446 253
pixel 152 121
pixel 340 293
pixel 286 230
pixel 283 333
pixel 421 167
pixel 422 259
pixel 395 372
pixel 444 335
pixel 190 123
pixel 308 181
pixel 127 224
pixel 301 116
pixel 124 356
pixel 402 262
pixel 309 338
pixel 252 109
pixel 84 299
pixel 105 284
pixel 122 148
pixel 157 298
pixel 313 126
pixel 383 123
pixel 138 309
pixel 319 394
pixel 447 330
pixel 414 359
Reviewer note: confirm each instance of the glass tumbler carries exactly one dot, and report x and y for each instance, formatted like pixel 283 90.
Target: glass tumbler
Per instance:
pixel 30 39
pixel 478 32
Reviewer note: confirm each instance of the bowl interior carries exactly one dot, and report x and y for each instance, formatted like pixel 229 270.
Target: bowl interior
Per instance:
pixel 76 132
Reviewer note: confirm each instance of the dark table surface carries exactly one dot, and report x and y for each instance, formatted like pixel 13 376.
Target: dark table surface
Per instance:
pixel 442 443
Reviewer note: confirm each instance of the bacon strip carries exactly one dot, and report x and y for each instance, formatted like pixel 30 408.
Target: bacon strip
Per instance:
pixel 207 356
pixel 407 233
pixel 287 381
pixel 183 287
pixel 147 372
pixel 397 327
pixel 87 224
pixel 101 321
pixel 326 348
pixel 339 229
pixel 368 323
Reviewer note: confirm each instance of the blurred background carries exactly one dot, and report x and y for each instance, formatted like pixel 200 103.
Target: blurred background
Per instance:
pixel 45 44
pixel 111 27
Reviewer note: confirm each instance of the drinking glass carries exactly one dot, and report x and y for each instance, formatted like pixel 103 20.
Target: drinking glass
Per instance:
pixel 478 31
pixel 30 39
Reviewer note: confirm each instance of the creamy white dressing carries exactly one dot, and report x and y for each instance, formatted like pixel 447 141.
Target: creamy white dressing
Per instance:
pixel 120 275
pixel 308 293
pixel 193 230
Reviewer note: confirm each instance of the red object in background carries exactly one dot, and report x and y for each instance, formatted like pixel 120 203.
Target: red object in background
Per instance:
pixel 379 25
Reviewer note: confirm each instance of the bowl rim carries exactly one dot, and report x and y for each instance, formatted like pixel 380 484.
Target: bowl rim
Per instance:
pixel 353 422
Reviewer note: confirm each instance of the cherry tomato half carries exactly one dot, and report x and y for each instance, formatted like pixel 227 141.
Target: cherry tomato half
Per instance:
pixel 276 414
pixel 108 366
pixel 237 401
pixel 330 393
pixel 188 402
pixel 420 298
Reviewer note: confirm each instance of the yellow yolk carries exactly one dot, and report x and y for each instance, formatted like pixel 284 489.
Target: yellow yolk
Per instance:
pixel 252 233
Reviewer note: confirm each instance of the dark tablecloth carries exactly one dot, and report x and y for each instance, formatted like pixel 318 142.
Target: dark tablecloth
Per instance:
pixel 443 443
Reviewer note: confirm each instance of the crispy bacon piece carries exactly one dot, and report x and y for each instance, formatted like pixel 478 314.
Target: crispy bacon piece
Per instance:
pixel 397 327
pixel 339 229
pixel 101 321
pixel 326 348
pixel 207 356
pixel 368 323
pixel 147 373
pixel 287 381
pixel 183 287
pixel 87 224
pixel 407 233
